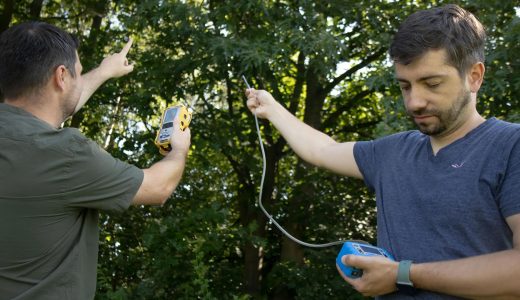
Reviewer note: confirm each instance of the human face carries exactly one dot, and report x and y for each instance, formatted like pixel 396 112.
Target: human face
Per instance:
pixel 71 98
pixel 435 95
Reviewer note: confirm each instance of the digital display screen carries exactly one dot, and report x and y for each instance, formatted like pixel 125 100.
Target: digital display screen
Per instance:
pixel 370 250
pixel 170 115
pixel 167 125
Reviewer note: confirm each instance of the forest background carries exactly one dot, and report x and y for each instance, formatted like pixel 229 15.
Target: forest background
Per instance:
pixel 325 61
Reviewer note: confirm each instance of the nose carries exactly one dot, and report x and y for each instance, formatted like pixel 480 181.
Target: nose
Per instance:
pixel 415 100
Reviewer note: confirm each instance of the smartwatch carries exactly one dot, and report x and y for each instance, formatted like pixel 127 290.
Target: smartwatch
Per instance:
pixel 404 284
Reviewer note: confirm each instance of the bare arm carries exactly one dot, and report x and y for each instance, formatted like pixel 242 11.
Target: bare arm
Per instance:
pixel 310 144
pixel 161 179
pixel 112 66
pixel 491 276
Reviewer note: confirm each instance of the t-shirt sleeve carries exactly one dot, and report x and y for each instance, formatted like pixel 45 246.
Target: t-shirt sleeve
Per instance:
pixel 509 196
pixel 365 155
pixel 97 180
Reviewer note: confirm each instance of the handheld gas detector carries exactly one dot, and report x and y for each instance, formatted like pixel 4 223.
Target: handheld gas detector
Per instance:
pixel 162 140
pixel 361 249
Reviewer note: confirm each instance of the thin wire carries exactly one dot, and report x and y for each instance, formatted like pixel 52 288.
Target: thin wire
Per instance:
pixel 262 188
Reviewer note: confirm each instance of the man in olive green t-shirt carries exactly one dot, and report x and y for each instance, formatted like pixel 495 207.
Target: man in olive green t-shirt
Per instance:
pixel 53 180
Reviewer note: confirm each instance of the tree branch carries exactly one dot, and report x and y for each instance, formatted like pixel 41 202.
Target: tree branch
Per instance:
pixel 348 106
pixel 354 69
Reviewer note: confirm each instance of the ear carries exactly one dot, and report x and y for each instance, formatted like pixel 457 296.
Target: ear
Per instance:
pixel 475 76
pixel 60 77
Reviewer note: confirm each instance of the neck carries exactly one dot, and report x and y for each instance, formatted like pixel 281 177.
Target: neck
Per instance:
pixel 459 130
pixel 41 106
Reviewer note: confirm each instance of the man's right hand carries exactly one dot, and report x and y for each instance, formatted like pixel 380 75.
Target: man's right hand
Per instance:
pixel 161 179
pixel 260 103
pixel 311 145
pixel 180 139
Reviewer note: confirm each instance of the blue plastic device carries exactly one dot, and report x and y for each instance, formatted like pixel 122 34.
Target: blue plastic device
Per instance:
pixel 358 249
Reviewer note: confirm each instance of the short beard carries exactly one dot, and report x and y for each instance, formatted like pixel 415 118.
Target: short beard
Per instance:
pixel 447 118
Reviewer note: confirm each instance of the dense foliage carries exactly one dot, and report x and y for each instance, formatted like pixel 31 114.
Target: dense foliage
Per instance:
pixel 326 61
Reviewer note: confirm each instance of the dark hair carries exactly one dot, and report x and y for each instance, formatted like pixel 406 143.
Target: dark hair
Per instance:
pixel 29 54
pixel 449 27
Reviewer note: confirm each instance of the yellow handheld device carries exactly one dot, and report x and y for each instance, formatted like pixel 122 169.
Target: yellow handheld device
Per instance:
pixel 162 141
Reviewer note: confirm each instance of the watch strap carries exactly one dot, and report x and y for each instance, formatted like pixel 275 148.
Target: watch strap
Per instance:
pixel 404 284
pixel 403 272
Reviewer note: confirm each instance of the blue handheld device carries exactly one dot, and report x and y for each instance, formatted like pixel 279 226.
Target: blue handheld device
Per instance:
pixel 358 249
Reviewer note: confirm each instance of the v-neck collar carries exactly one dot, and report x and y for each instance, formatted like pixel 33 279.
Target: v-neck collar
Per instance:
pixel 455 143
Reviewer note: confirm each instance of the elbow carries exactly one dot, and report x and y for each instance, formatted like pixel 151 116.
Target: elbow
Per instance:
pixel 157 188
pixel 317 155
pixel 156 197
pixel 165 195
pixel 162 195
pixel 157 202
pixel 153 193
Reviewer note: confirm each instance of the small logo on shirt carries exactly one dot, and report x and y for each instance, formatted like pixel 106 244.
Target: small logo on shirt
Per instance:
pixel 456 166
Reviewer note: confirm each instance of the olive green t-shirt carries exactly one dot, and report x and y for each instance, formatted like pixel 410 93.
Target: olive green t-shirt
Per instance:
pixel 52 184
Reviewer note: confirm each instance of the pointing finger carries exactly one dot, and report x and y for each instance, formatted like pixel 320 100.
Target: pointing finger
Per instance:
pixel 127 46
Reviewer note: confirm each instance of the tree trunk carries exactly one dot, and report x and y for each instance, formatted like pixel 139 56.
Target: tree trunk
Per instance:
pixel 253 256
pixel 94 31
pixel 92 40
pixel 110 136
pixel 35 9
pixel 7 15
pixel 249 213
pixel 291 251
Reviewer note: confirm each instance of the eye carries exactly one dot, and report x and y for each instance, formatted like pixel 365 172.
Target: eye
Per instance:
pixel 404 87
pixel 433 84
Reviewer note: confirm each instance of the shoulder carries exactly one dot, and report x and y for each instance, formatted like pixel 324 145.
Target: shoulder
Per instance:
pixel 91 163
pixel 86 152
pixel 502 132
pixel 68 141
pixel 497 125
pixel 391 145
pixel 401 139
pixel 499 140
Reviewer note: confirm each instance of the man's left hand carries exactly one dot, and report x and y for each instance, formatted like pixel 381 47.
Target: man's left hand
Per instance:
pixel 116 65
pixel 379 274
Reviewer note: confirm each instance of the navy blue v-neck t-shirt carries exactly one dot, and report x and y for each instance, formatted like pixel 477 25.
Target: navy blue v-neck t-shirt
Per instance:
pixel 450 205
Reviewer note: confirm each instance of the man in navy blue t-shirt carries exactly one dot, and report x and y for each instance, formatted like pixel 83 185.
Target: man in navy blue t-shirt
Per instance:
pixel 447 194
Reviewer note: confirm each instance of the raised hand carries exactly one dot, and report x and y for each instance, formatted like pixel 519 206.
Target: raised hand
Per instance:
pixel 260 102
pixel 116 65
pixel 112 66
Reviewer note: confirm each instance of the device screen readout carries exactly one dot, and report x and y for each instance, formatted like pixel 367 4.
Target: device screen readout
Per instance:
pixel 167 125
pixel 371 250
pixel 169 117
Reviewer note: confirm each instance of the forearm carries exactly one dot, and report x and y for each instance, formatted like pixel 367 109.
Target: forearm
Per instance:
pixel 112 66
pixel 305 141
pixel 91 82
pixel 491 276
pixel 161 179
